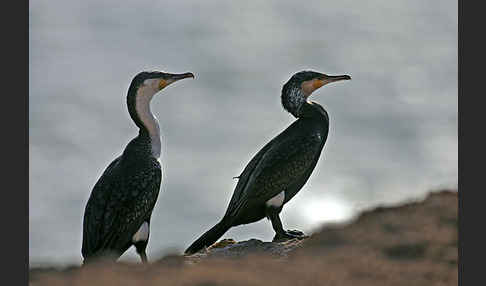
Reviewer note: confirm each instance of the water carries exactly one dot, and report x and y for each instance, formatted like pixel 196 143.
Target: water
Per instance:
pixel 393 133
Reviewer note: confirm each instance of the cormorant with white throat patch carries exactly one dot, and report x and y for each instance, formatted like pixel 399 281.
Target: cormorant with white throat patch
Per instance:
pixel 282 167
pixel 118 211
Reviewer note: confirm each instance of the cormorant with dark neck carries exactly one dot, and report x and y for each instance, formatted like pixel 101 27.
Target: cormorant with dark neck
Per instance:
pixel 281 168
pixel 118 211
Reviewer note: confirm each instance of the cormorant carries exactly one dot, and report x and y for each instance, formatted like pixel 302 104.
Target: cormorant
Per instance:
pixel 118 211
pixel 280 169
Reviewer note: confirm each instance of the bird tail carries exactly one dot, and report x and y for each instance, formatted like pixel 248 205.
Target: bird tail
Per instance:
pixel 209 237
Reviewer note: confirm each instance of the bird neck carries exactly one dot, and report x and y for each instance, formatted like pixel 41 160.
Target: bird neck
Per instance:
pixel 139 109
pixel 314 110
pixel 293 100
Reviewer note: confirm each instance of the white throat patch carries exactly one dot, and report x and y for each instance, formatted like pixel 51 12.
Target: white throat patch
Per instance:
pixel 145 93
pixel 296 99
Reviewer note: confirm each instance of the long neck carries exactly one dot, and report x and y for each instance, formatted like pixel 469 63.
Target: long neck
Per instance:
pixel 293 100
pixel 139 109
pixel 314 110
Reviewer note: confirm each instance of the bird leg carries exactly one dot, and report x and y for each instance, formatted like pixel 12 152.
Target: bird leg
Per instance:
pixel 141 246
pixel 143 256
pixel 280 233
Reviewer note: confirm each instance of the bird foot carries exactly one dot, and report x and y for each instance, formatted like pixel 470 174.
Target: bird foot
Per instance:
pixel 289 234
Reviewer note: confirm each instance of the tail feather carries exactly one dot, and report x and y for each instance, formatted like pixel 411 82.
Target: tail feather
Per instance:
pixel 209 237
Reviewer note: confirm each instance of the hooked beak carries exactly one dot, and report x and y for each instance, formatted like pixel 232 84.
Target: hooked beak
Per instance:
pixel 176 77
pixel 325 79
pixel 333 78
pixel 171 78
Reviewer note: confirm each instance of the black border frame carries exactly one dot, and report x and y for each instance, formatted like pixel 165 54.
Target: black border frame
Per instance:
pixel 14 116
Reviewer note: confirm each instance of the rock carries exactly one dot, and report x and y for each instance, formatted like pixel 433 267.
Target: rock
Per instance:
pixel 228 248
pixel 415 243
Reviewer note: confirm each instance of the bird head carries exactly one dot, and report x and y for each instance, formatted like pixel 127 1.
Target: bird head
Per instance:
pixel 150 82
pixel 301 85
pixel 142 89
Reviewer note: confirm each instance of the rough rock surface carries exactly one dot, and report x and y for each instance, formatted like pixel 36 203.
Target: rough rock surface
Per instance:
pixel 415 243
pixel 228 248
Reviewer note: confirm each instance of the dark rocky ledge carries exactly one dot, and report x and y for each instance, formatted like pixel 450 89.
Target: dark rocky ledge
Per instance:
pixel 413 243
pixel 228 248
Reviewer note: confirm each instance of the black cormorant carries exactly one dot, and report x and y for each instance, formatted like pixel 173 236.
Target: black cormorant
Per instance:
pixel 280 169
pixel 118 211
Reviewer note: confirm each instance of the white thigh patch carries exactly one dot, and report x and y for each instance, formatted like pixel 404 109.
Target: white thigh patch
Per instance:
pixel 276 201
pixel 142 233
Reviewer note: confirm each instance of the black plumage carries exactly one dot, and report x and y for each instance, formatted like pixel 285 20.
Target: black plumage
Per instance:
pixel 282 167
pixel 123 198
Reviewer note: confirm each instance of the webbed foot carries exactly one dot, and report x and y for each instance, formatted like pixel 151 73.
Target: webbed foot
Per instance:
pixel 289 234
